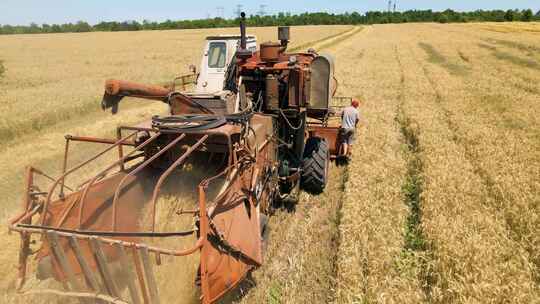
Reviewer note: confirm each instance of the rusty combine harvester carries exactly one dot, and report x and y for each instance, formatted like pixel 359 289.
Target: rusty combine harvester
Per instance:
pixel 268 126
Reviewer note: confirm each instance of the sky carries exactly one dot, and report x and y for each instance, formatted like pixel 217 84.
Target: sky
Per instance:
pixel 23 12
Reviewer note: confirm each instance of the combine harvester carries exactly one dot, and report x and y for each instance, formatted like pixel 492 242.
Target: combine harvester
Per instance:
pixel 263 113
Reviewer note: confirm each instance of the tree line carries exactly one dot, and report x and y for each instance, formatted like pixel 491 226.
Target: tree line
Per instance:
pixel 372 17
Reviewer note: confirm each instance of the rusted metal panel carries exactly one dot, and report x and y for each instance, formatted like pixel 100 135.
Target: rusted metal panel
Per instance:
pixel 322 82
pixel 140 275
pixel 91 280
pixel 128 273
pixel 149 276
pixel 60 258
pixel 104 269
pixel 270 51
pixel 272 93
pixel 331 134
pixel 294 88
pixel 234 238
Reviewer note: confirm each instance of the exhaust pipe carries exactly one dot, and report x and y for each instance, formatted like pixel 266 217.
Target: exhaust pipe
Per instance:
pixel 242 52
pixel 243 38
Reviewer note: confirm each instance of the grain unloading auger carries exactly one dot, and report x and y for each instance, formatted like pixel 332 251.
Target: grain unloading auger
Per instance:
pixel 264 135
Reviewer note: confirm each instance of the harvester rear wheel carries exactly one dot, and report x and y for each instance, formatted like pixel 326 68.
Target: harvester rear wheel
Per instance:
pixel 316 164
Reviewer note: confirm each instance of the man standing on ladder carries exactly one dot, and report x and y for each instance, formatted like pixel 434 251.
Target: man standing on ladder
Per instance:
pixel 349 121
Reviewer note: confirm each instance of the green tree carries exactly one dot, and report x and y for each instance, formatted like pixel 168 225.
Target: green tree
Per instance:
pixel 443 18
pixel 55 28
pixel 7 29
pixel 316 18
pixel 527 15
pixel 518 15
pixel 82 27
pixel 32 29
pixel 509 16
pixel 45 28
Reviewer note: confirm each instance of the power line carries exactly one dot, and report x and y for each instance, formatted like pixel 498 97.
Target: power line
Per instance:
pixel 238 10
pixel 262 11
pixel 220 12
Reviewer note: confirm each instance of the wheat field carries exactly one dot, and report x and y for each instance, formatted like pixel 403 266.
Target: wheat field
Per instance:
pixel 448 168
pixel 440 203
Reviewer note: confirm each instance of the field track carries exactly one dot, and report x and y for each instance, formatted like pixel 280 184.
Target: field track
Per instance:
pixel 441 203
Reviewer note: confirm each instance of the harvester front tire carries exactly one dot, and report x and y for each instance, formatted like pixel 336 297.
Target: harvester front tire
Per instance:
pixel 316 163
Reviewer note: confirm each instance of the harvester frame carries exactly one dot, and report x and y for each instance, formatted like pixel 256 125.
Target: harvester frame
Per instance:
pixel 275 139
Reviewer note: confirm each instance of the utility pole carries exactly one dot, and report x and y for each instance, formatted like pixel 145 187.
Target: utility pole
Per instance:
pixel 261 11
pixel 395 5
pixel 389 6
pixel 238 10
pixel 220 12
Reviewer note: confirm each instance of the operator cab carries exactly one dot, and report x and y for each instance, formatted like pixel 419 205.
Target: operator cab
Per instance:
pixel 218 53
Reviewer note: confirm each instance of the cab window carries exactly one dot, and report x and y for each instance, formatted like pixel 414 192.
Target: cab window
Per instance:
pixel 217 55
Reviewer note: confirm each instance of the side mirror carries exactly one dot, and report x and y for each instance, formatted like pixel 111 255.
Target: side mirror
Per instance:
pixel 193 68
